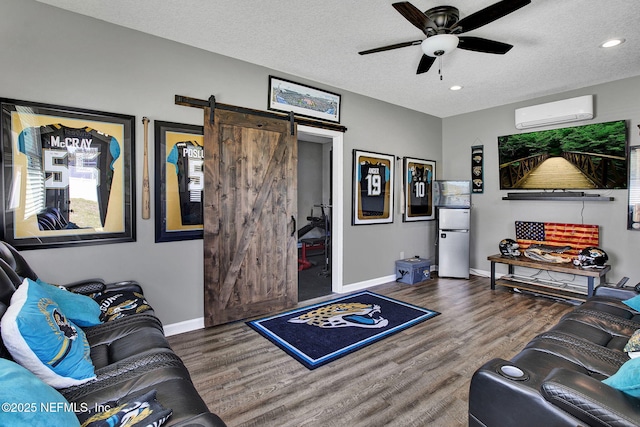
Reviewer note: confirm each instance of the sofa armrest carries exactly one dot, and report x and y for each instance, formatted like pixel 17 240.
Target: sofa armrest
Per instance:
pixel 86 287
pixel 123 286
pixel 92 286
pixel 612 292
pixel 590 400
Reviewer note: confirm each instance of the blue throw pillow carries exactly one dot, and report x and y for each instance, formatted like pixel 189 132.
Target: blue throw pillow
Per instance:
pixel 27 401
pixel 41 338
pixel 633 302
pixel 627 379
pixel 80 309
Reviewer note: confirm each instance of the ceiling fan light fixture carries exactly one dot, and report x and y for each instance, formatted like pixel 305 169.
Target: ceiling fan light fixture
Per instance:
pixel 439 45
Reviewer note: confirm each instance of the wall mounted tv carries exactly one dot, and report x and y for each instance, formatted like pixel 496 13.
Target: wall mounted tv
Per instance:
pixel 592 156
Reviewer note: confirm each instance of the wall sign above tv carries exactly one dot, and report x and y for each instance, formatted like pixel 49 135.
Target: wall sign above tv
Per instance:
pixel 588 157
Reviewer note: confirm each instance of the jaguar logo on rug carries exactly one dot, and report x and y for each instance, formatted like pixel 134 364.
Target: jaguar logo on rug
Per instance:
pixel 343 315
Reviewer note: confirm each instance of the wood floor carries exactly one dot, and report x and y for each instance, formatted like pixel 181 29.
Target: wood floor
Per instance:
pixel 417 377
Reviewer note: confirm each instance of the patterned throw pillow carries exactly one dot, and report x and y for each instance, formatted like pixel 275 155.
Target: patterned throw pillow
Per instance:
pixel 633 345
pixel 140 411
pixel 41 338
pixel 115 305
pixel 80 309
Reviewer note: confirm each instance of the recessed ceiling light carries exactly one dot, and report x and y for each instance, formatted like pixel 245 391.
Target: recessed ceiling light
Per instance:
pixel 455 87
pixel 612 43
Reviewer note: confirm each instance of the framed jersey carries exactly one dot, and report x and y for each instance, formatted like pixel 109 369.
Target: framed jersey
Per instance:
pixel 418 189
pixel 67 175
pixel 179 181
pixel 373 185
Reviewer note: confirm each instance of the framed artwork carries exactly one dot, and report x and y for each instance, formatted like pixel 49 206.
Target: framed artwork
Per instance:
pixel 286 96
pixel 633 214
pixel 179 165
pixel 373 184
pixel 67 175
pixel 477 169
pixel 418 189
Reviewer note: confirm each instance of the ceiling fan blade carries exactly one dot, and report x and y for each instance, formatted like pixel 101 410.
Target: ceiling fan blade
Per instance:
pixel 415 16
pixel 478 44
pixel 489 14
pixel 390 47
pixel 425 63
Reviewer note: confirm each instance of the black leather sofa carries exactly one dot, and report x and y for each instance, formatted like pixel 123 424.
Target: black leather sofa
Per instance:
pixel 556 380
pixel 131 357
pixel 16 261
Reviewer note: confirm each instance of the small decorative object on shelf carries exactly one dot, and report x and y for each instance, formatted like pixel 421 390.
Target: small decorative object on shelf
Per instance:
pixel 509 247
pixel 591 257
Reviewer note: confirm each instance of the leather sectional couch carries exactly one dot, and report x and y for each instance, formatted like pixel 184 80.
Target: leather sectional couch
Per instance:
pixel 131 357
pixel 556 380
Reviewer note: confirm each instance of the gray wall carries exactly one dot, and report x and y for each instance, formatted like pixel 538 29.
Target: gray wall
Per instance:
pixel 58 57
pixel 310 170
pixel 613 101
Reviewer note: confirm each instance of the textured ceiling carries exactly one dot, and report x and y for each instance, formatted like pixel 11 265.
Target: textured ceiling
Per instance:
pixel 556 45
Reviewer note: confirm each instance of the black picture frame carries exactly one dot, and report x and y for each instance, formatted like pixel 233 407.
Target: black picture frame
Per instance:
pixel 633 213
pixel 419 175
pixel 308 101
pixel 373 194
pixel 477 169
pixel 178 209
pixel 68 175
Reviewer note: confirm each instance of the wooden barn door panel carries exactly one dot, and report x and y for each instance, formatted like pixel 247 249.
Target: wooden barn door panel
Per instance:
pixel 250 247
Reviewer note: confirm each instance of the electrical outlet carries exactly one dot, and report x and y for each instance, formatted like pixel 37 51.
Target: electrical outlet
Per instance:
pixel 401 254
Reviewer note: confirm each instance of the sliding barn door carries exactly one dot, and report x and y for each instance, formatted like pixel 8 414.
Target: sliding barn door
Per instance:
pixel 250 236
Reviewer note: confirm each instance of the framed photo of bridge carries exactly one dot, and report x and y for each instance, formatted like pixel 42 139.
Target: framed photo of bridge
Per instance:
pixel 286 96
pixel 68 176
pixel 373 185
pixel 418 189
pixel 587 157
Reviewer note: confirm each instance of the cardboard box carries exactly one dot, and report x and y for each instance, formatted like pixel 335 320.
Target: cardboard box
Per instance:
pixel 413 270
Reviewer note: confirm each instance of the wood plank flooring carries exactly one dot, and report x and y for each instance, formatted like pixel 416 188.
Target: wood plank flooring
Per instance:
pixel 417 377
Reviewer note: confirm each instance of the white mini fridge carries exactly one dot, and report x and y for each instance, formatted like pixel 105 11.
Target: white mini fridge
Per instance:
pixel 453 242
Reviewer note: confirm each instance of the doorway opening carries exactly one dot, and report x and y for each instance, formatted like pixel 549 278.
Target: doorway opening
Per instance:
pixel 315 216
pixel 333 174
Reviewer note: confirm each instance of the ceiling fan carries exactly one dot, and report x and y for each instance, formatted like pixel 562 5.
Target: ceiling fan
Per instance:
pixel 441 25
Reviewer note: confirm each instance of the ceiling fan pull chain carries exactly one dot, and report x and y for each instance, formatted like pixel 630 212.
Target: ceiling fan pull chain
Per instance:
pixel 440 67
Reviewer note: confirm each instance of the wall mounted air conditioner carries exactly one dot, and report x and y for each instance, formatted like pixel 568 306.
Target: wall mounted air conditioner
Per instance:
pixel 551 113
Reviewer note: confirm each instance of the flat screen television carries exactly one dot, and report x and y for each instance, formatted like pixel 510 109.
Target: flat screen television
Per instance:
pixel 592 156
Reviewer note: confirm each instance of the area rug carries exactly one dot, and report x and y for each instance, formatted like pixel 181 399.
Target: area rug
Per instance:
pixel 320 333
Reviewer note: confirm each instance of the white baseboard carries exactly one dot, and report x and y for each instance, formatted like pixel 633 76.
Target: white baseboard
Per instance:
pixel 185 326
pixel 367 284
pixel 483 273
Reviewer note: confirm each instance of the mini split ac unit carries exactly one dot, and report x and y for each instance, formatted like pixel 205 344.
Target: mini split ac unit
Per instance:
pixel 551 113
